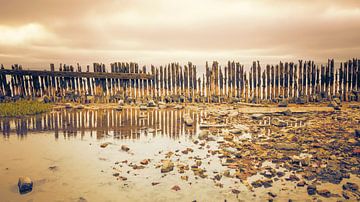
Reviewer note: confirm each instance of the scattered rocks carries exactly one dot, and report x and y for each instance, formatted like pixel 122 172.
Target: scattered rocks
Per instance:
pixel 350 187
pixel 25 185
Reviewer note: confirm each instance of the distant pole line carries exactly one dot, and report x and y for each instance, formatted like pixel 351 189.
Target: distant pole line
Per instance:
pixel 298 82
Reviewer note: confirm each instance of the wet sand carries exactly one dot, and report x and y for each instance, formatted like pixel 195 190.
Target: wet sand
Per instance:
pixel 61 152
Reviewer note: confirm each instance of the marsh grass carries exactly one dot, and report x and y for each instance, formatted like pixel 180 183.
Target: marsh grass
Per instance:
pixel 23 108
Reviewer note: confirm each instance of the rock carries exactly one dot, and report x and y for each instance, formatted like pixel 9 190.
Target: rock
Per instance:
pixel 103 145
pixel 283 103
pixel 357 133
pixel 277 122
pixel 257 116
pixel 346 194
pixel 267 183
pixel 300 100
pixel 287 112
pixel 350 186
pixel 204 134
pixel 176 188
pixel 235 131
pixel 25 185
pixel 185 177
pixel 324 192
pixel 144 162
pixel 116 174
pixel 155 183
pixel 293 178
pixel 287 146
pixel 256 184
pixel 188 120
pixel 142 107
pixel 121 103
pixel 125 148
pixel 167 166
pixel 151 103
pixel 178 107
pixel 235 191
pixel 334 105
pixel 301 183
pixel 272 194
pixel 311 189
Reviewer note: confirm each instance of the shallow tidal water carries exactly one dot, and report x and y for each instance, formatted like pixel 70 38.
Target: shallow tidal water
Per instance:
pixel 60 151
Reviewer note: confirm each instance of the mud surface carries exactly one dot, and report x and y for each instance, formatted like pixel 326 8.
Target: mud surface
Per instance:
pixel 233 153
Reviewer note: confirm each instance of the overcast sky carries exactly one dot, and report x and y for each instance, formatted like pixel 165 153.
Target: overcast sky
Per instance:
pixel 38 32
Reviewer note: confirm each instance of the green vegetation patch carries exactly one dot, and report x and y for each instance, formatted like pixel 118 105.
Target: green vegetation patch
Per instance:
pixel 23 108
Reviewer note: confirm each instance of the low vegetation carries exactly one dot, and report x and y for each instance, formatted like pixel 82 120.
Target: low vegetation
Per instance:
pixel 22 108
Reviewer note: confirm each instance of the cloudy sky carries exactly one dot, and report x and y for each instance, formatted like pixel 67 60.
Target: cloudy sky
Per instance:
pixel 37 32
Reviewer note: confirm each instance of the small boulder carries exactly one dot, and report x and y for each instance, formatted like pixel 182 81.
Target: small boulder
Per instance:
pixel 283 103
pixel 311 189
pixel 203 135
pixel 125 148
pixel 151 103
pixel 277 122
pixel 25 185
pixel 167 166
pixel 257 116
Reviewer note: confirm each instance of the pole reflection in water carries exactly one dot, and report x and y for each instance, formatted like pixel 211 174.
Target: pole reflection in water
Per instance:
pixel 129 123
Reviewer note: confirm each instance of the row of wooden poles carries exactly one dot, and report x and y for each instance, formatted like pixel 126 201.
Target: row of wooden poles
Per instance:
pixel 303 80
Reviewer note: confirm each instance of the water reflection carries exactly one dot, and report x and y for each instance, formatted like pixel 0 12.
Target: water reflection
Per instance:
pixel 129 123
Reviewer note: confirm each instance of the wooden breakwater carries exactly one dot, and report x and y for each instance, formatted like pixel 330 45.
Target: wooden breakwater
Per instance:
pixel 303 81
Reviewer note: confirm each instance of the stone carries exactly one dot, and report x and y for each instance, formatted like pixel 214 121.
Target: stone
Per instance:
pixel 324 192
pixel 357 133
pixel 287 146
pixel 300 100
pixel 103 145
pixel 188 120
pixel 25 185
pixel 178 107
pixel 144 162
pixel 272 194
pixel 277 122
pixel 203 134
pixel 256 184
pixel 350 186
pixel 142 107
pixel 151 103
pixel 167 166
pixel 257 116
pixel 121 103
pixel 235 191
pixel 311 189
pixel 176 188
pixel 125 148
pixel 287 112
pixel 155 183
pixel 301 183
pixel 283 103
